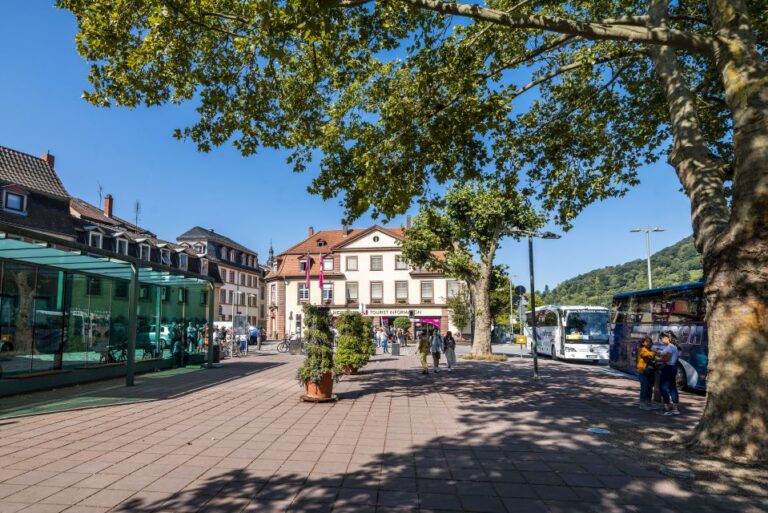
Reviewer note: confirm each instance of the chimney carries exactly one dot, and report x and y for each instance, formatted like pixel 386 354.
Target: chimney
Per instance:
pixel 345 229
pixel 49 159
pixel 108 202
pixel 311 231
pixel 408 222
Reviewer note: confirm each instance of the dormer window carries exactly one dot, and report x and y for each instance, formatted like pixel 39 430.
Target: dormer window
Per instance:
pixel 144 252
pixel 232 256
pixel 321 243
pixel 15 202
pixel 165 257
pixel 95 240
pixel 200 249
pixel 183 261
pixel 224 253
pixel 121 246
pixel 244 259
pixel 303 265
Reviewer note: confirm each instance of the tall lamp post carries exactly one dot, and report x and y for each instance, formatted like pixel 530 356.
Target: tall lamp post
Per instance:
pixel 531 235
pixel 647 230
pixel 511 305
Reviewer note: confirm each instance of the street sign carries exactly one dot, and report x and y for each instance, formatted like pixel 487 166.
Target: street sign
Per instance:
pixel 519 290
pixel 521 340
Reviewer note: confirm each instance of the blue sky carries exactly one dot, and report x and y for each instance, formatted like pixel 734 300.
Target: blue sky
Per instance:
pixel 133 155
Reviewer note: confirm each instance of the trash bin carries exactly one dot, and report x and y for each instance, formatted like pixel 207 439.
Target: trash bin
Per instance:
pixel 216 354
pixel 395 349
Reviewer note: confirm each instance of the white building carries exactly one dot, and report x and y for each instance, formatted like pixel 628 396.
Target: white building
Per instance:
pixel 361 270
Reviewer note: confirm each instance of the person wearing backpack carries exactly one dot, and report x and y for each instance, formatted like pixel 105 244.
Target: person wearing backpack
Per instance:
pixel 436 347
pixel 645 371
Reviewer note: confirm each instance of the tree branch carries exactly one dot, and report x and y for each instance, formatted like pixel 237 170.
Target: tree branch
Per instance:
pixel 531 55
pixel 657 36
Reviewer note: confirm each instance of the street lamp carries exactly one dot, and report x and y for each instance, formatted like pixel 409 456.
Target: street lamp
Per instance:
pixel 531 235
pixel 647 230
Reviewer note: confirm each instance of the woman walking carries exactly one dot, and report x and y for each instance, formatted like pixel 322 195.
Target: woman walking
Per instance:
pixel 449 347
pixel 668 358
pixel 436 347
pixel 645 371
pixel 423 352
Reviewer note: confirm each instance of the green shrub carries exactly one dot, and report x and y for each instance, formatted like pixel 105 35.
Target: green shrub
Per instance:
pixel 403 323
pixel 354 341
pixel 318 338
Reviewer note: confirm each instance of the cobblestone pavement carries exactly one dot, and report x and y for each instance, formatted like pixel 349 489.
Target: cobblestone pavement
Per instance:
pixel 482 439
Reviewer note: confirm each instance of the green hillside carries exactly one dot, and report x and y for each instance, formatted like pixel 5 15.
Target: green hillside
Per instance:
pixel 676 264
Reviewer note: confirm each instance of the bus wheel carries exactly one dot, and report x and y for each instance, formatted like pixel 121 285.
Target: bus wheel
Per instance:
pixel 681 380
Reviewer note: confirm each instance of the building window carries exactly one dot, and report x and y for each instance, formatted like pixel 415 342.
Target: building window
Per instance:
pixel 244 259
pixel 327 292
pixel 223 253
pixel 204 266
pixel 377 292
pixel 452 289
pixel 242 279
pixel 232 255
pixel 273 294
pixel 144 252
pixel 303 264
pixel 183 261
pixel 200 249
pixel 231 276
pixel 303 292
pixel 222 296
pixel 427 291
pixel 182 295
pixel 165 257
pixel 95 239
pixel 377 263
pixel 231 297
pixel 121 246
pixel 400 264
pixel 15 202
pixel 262 311
pixel 352 296
pixel 328 264
pixel 401 291
pixel 351 263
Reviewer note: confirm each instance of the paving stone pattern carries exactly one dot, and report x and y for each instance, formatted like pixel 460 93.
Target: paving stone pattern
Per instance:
pixel 237 439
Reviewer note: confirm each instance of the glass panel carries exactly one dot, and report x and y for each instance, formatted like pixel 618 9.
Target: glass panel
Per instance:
pixel 327 291
pixel 352 292
pixel 377 292
pixel 14 202
pixel 401 290
pixel 426 291
pixel 48 321
pixel 376 263
pixel 352 263
pixel 452 288
pixel 400 264
pixel 16 307
pixel 586 325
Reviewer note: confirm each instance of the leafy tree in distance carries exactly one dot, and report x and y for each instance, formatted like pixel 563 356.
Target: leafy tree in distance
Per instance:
pixel 460 310
pixel 397 94
pixel 474 217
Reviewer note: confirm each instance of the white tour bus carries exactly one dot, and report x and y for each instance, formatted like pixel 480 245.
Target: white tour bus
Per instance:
pixel 571 332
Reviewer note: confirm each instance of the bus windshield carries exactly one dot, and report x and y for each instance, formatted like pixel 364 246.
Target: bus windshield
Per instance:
pixel 586 326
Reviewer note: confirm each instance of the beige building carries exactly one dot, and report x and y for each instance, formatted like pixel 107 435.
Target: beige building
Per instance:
pixel 362 271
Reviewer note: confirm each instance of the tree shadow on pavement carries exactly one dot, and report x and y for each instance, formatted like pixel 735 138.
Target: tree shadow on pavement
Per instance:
pixel 484 439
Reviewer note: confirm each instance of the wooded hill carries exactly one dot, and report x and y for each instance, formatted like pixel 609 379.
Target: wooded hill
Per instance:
pixel 679 263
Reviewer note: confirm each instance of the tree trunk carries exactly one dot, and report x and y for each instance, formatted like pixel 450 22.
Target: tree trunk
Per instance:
pixel 481 343
pixel 735 419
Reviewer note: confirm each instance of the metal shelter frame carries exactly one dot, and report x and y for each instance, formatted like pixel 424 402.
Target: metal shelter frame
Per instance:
pixel 45 250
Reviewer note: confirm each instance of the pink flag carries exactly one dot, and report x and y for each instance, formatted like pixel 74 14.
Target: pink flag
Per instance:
pixel 321 272
pixel 306 271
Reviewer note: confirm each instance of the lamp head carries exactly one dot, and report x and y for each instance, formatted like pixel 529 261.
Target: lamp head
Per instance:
pixel 549 235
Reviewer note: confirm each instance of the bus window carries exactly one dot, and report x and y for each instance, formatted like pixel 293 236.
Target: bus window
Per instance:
pixel 587 324
pixel 549 318
pixel 619 310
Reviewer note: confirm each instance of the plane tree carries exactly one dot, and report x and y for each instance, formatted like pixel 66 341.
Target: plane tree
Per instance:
pixel 395 95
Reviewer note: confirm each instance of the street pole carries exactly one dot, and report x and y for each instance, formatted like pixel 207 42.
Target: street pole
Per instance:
pixel 647 230
pixel 511 308
pixel 534 351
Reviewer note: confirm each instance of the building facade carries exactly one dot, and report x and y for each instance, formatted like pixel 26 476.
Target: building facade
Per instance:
pixel 68 273
pixel 240 277
pixel 362 271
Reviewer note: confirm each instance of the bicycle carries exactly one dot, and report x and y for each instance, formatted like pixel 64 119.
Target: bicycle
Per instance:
pixel 113 355
pixel 282 347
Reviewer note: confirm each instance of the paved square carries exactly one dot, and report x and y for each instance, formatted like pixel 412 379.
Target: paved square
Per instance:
pixel 481 439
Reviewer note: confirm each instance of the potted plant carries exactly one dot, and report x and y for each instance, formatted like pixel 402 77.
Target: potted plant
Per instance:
pixel 354 343
pixel 317 373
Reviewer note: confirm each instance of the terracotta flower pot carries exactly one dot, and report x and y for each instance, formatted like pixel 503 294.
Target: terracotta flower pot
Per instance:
pixel 321 390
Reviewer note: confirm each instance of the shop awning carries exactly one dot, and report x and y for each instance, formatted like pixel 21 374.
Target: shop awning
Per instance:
pixel 75 260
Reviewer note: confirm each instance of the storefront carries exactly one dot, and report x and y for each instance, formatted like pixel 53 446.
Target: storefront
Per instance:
pixel 65 315
pixel 423 320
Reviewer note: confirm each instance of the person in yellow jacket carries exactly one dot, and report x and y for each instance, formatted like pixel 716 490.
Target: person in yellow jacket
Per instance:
pixel 645 369
pixel 423 353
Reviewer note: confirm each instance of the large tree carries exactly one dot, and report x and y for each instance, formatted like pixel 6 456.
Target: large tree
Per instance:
pixel 468 229
pixel 397 94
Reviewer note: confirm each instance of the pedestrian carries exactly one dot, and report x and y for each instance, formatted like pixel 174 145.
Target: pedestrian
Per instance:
pixel 384 342
pixel 401 337
pixel 645 370
pixel 243 344
pixel 668 358
pixel 436 346
pixel 449 348
pixel 423 352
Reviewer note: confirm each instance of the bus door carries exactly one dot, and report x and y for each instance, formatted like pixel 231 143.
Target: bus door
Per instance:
pixel 546 330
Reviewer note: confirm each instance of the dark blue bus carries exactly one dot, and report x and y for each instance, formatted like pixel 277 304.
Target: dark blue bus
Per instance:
pixel 680 309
